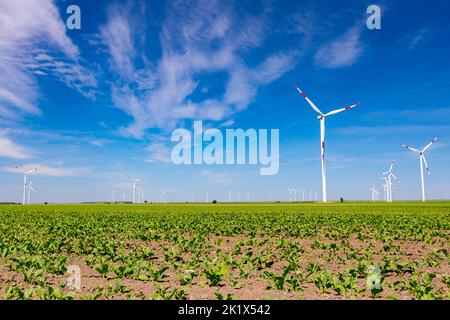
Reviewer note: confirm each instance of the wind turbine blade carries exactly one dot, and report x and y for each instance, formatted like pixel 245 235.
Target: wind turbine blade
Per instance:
pixel 426 164
pixel 410 148
pixel 393 175
pixel 342 109
pixel 392 166
pixel 429 145
pixel 309 101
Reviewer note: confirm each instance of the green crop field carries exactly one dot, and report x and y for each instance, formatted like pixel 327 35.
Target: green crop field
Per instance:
pixel 226 251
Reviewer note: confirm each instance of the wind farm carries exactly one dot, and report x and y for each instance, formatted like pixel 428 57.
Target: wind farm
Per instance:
pixel 162 150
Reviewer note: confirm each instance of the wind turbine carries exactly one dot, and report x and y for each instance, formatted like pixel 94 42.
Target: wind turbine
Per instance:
pixel 295 194
pixel 113 194
pixel 422 160
pixel 303 195
pixel 163 196
pixel 25 176
pixel 321 117
pixel 375 193
pixel 389 175
pixel 291 191
pixel 134 187
pixel 30 188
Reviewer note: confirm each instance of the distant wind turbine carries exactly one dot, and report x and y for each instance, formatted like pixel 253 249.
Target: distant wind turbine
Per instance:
pixel 422 161
pixel 375 193
pixel 389 175
pixel 163 196
pixel 30 188
pixel 291 191
pixel 25 176
pixel 134 187
pixel 322 117
pixel 113 196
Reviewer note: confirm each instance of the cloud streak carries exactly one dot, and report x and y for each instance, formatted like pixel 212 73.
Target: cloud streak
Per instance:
pixel 9 149
pixel 34 27
pixel 44 170
pixel 341 52
pixel 204 37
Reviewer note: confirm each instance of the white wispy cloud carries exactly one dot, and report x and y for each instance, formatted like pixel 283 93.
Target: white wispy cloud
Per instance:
pixel 202 37
pixel 44 170
pixel 9 149
pixel 158 152
pixel 341 52
pixel 35 27
pixel 227 123
pixel 392 129
pixel 417 38
pixel 219 177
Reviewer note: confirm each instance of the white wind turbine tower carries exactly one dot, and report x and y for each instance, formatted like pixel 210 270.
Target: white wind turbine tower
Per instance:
pixel 385 189
pixel 238 196
pixel 422 161
pixel 134 187
pixel 25 176
pixel 295 194
pixel 140 195
pixel 291 191
pixel 248 196
pixel 30 188
pixel 389 175
pixel 113 196
pixel 303 195
pixel 310 195
pixel 163 196
pixel 375 193
pixel 321 118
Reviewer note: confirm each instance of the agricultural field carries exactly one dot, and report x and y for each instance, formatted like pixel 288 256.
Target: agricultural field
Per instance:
pixel 226 251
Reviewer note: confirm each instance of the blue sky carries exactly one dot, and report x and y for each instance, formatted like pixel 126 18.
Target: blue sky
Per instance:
pixel 93 106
